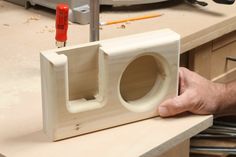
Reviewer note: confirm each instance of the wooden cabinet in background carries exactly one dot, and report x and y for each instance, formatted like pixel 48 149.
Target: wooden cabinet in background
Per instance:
pixel 209 60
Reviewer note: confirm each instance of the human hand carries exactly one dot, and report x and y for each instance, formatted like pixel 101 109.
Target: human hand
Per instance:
pixel 197 95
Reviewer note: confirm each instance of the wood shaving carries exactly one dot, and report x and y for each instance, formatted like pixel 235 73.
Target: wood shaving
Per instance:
pixel 47 29
pixel 51 30
pixel 7 25
pixel 123 26
pixel 33 18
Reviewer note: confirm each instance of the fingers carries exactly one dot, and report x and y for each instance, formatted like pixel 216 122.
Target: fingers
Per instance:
pixel 178 104
pixel 186 100
pixel 174 106
pixel 182 83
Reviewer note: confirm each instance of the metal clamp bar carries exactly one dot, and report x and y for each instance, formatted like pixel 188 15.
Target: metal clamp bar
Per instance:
pixel 94 20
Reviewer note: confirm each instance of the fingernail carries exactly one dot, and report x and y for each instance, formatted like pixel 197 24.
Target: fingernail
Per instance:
pixel 163 111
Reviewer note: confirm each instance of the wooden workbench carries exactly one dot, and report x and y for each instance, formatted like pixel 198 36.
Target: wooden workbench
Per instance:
pixel 24 33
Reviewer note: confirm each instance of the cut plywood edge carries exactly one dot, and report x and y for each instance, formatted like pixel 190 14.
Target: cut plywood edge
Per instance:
pixel 180 150
pixel 108 83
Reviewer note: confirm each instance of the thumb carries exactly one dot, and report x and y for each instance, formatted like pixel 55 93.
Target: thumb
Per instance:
pixel 174 106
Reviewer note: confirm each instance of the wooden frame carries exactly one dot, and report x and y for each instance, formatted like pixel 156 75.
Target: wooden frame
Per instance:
pixel 108 83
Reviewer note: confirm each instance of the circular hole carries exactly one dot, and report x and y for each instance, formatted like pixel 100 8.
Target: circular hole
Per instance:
pixel 139 78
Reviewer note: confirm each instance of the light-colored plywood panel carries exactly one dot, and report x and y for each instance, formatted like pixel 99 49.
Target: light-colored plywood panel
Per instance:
pixel 117 81
pixel 150 138
pixel 203 23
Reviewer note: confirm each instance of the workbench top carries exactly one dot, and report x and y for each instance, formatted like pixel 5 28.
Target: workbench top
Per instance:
pixel 196 24
pixel 24 33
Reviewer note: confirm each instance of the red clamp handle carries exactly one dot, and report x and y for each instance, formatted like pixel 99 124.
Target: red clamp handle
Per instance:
pixel 62 12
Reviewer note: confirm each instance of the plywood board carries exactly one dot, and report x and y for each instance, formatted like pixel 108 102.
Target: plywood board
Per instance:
pixel 148 138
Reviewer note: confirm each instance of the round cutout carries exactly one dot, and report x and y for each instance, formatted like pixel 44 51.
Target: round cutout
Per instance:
pixel 139 78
